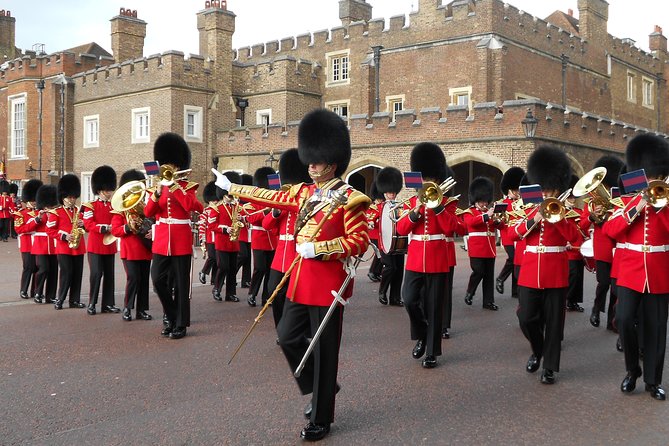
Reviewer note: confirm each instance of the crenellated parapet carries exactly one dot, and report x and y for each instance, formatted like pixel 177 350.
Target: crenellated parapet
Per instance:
pixel 281 73
pixel 43 66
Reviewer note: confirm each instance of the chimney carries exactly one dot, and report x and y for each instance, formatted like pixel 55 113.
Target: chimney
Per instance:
pixel 7 36
pixel 354 11
pixel 657 42
pixel 593 16
pixel 127 34
pixel 570 12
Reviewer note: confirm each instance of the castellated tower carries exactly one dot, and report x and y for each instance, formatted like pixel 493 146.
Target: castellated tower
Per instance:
pixel 593 18
pixel 7 36
pixel 354 11
pixel 216 25
pixel 127 35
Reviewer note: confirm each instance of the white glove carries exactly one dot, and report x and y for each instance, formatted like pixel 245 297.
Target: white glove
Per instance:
pixel 221 180
pixel 306 250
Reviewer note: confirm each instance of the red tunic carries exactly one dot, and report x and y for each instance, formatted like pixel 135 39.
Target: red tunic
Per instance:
pixel 427 252
pixel 6 203
pixel 59 225
pixel 503 229
pixel 542 268
pixel 210 216
pixel 261 239
pixel 42 243
pixel 24 229
pixel 372 215
pixel 645 259
pixel 221 226
pixel 172 232
pixel 345 234
pixel 574 249
pixel 481 230
pixel 132 247
pixel 451 207
pixel 285 248
pixel 97 214
pixel 602 245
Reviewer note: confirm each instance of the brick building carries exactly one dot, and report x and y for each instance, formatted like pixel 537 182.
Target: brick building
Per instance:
pixel 462 74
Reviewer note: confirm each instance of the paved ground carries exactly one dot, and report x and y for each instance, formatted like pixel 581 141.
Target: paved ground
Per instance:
pixel 68 378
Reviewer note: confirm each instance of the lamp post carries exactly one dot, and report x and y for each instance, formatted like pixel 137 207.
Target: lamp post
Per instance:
pixel 40 89
pixel 529 124
pixel 62 81
pixel 271 159
pixel 242 104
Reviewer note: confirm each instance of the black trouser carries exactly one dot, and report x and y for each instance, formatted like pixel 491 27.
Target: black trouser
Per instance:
pixel 4 228
pixel 71 271
pixel 391 276
pixel 540 315
pixel 280 298
pixel 101 266
pixel 575 289
pixel 483 269
pixel 376 268
pixel 29 272
pixel 244 261
pixel 210 263
pixel 423 295
pixel 262 261
pixel 176 306
pixel 507 269
pixel 603 283
pixel 319 375
pixel 226 261
pixel 447 310
pixel 46 277
pixel 654 328
pixel 137 284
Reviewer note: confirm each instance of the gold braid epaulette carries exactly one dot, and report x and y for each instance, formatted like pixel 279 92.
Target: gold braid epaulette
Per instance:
pixel 88 205
pixel 356 198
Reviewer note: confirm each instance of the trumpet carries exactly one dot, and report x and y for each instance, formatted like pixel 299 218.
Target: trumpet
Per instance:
pixel 431 194
pixel 591 184
pixel 169 174
pixel 553 209
pixel 657 193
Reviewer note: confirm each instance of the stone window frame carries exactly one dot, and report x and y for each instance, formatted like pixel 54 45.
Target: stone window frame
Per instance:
pixel 331 59
pixel 17 146
pixel 136 114
pixel 647 92
pixel 333 105
pixel 457 92
pixel 86 186
pixel 392 101
pixel 198 115
pixel 631 86
pixel 259 115
pixel 88 142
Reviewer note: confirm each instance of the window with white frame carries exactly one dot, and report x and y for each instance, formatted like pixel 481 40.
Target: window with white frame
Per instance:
pixel 339 107
pixel 193 123
pixel 338 68
pixel 141 125
pixel 264 118
pixel 86 187
pixel 647 91
pixel 92 131
pixel 461 96
pixel 394 104
pixel 631 86
pixel 17 112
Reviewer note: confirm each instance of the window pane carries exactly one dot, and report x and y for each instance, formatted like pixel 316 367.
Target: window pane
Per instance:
pixel 190 124
pixel 335 69
pixel 344 68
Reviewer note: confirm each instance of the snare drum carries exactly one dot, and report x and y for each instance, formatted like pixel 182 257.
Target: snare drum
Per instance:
pixel 389 241
pixel 588 252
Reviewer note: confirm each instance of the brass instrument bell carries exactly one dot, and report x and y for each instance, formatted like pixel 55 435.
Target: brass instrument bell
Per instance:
pixel 591 184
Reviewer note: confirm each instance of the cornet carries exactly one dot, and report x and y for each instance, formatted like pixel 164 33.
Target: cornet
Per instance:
pixel 553 209
pixel 430 195
pixel 169 175
pixel 657 193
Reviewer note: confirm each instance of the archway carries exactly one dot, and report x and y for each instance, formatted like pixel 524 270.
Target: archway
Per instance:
pixel 362 178
pixel 466 171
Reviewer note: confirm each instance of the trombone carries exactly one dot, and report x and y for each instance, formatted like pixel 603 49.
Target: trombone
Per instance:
pixel 430 195
pixel 657 193
pixel 553 209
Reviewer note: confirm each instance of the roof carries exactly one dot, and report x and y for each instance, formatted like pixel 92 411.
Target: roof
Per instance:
pixel 567 22
pixel 89 48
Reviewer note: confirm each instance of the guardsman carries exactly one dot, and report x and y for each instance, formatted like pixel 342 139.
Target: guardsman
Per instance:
pixel 544 274
pixel 25 228
pixel 593 217
pixel 373 214
pixel 576 263
pixel 228 215
pixel 291 172
pixel 481 226
pixel 208 218
pixel 44 246
pixel 644 286
pixel 65 224
pixel 510 186
pixel 14 206
pixel 451 207
pixel 171 204
pixel 134 232
pixel 324 145
pixel 101 255
pixel 244 254
pixel 427 267
pixel 263 242
pixel 389 183
pixel 5 210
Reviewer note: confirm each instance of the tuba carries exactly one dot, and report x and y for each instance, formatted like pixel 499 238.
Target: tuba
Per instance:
pixel 76 232
pixel 591 184
pixel 129 200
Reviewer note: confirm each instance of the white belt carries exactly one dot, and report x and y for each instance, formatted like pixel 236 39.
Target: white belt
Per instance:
pixel 174 221
pixel 450 239
pixel 647 248
pixel 428 237
pixel 545 249
pixel 481 234
pixel 620 245
pixel 41 234
pixel 258 228
pixel 286 237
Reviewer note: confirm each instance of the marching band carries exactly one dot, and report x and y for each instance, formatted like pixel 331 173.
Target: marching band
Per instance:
pixel 315 228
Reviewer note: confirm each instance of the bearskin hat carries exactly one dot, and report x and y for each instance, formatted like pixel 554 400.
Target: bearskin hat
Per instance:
pixel 13 188
pixel 613 164
pixel 323 138
pixel 389 179
pixel 4 187
pixel 260 177
pixel 481 189
pixel 209 192
pixel 549 167
pixel 291 169
pixel 69 186
pixel 428 159
pixel 30 190
pixel 46 197
pixel 171 148
pixel 247 180
pixel 131 175
pixel 103 178
pixel 375 193
pixel 511 179
pixel 648 152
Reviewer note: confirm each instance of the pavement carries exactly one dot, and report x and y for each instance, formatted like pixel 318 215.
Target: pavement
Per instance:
pixel 67 378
